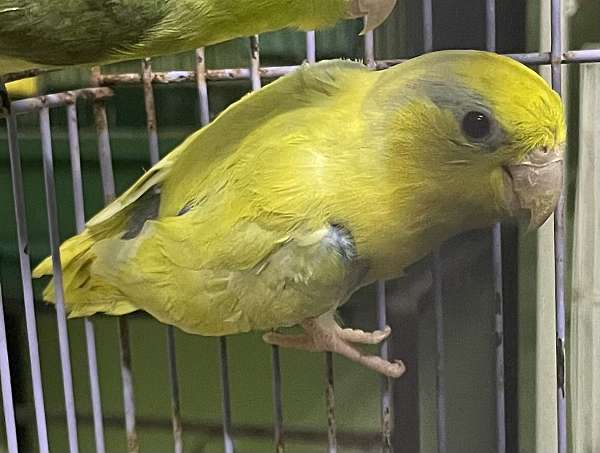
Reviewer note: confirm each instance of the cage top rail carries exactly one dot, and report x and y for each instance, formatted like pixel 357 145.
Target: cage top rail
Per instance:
pixel 65 98
pixel 271 72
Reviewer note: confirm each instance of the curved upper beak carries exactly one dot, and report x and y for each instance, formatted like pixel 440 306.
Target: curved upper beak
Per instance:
pixel 374 11
pixel 536 184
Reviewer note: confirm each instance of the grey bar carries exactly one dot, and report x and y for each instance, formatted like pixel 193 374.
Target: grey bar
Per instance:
pixel 90 335
pixel 128 395
pixel 59 297
pixel 330 401
pixel 24 261
pixel 175 406
pixel 275 362
pixel 108 189
pixel 226 397
pixel 31 105
pixel 104 154
pixel 499 331
pixel 386 382
pixel 153 149
pixel 7 396
pixel 559 246
pixel 490 29
pixel 277 400
pixel 369 50
pixel 311 47
pixel 427 26
pixel 440 377
pixel 497 265
pixel 202 86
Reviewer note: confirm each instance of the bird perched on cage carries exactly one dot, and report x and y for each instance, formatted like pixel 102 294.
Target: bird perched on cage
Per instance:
pixel 322 182
pixel 47 34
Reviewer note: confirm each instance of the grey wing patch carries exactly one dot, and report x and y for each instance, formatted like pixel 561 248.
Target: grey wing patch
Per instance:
pixel 342 241
pixel 145 208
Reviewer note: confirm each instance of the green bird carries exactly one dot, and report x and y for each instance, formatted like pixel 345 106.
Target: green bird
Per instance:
pixel 52 34
pixel 324 181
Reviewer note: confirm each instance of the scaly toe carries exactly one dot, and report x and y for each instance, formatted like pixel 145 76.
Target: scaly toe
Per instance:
pixel 360 336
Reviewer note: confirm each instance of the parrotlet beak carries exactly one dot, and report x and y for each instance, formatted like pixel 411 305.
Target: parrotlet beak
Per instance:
pixel 536 184
pixel 375 12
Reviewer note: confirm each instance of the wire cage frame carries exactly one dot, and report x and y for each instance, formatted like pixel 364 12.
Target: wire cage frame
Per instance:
pixel 101 90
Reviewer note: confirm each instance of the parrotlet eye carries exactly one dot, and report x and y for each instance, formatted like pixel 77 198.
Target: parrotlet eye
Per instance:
pixel 476 125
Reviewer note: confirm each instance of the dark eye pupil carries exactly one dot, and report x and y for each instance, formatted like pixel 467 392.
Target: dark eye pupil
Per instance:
pixel 476 125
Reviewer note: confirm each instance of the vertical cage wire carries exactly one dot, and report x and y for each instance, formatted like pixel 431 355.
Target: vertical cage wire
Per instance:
pixel 440 375
pixel 7 399
pixel 59 297
pixel 330 402
pixel 90 335
pixel 386 383
pixel 228 441
pixel 25 266
pixel 311 57
pixel 154 156
pixel 490 44
pixel 437 274
pixel 275 360
pixel 108 190
pixel 559 242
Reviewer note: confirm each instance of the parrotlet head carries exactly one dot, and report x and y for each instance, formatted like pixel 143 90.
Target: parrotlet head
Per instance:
pixel 490 126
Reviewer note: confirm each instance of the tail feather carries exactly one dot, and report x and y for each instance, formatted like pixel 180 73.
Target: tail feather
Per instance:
pixel 85 293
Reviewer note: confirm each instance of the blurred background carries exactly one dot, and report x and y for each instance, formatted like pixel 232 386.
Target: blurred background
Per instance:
pixel 469 301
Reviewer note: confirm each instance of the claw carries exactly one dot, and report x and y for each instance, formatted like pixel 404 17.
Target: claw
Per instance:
pixel 374 11
pixel 324 334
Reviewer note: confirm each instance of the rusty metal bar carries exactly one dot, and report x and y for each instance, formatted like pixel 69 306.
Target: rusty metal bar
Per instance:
pixel 272 72
pixel 559 243
pixel 154 155
pixel 202 87
pixel 387 421
pixel 25 266
pixel 7 394
pixel 90 336
pixel 108 189
pixel 330 401
pixel 35 104
pixel 59 295
pixel 255 78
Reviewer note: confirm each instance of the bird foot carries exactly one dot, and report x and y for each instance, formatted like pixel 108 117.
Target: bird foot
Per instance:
pixel 326 335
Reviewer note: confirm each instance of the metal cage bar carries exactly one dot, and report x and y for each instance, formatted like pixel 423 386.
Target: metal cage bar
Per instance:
pixel 108 190
pixel 273 72
pixel 437 275
pixel 559 243
pixel 255 79
pixel 59 297
pixel 154 157
pixel 25 265
pixel 228 440
pixel 90 336
pixel 490 45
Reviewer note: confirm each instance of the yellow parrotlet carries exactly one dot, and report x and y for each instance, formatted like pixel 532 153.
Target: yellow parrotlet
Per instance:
pixel 322 182
pixel 52 34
